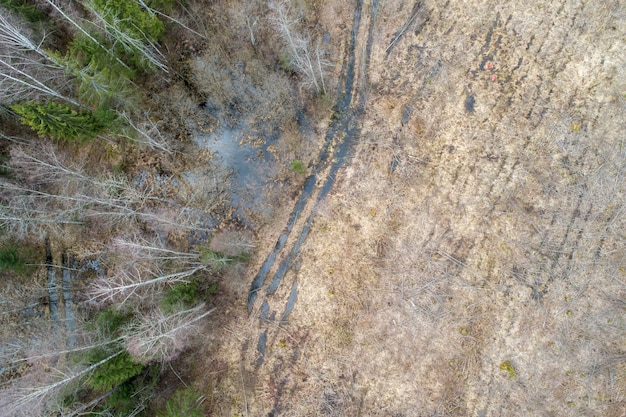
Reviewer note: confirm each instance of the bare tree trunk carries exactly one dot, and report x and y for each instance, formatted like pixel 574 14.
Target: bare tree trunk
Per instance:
pixel 160 336
pixel 18 78
pixel 300 47
pixel 69 265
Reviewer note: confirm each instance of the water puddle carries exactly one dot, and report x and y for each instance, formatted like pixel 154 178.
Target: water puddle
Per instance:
pixel 251 168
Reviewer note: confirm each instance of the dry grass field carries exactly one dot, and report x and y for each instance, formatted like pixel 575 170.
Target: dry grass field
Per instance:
pixel 470 259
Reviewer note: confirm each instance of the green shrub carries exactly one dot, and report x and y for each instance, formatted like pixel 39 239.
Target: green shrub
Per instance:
pixel 22 7
pixel 109 322
pixel 127 398
pixel 284 62
pixel 9 259
pixel 181 293
pixel 12 260
pixel 213 258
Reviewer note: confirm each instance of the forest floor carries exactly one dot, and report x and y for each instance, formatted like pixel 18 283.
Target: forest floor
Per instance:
pixel 469 260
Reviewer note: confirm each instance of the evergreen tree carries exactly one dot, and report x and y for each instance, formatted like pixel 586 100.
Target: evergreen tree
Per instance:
pixel 114 372
pixel 62 121
pixel 102 80
pixel 131 19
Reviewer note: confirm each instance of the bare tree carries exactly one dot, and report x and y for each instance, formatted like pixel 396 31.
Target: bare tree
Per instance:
pixel 27 70
pixel 141 269
pixel 29 79
pixel 54 192
pixel 138 282
pixel 159 336
pixel 15 39
pixel 308 62
pixel 149 133
pixel 26 395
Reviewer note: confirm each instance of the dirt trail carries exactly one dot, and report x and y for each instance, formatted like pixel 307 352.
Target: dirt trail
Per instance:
pixel 340 139
pixel 469 261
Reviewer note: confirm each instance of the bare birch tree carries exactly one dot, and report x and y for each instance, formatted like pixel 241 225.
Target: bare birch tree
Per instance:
pixel 27 70
pixel 26 396
pixel 53 192
pixel 141 269
pixel 148 133
pixel 160 336
pixel 306 60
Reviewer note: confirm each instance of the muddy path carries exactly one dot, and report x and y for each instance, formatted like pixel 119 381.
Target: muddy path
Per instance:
pixel 340 136
pixel 272 296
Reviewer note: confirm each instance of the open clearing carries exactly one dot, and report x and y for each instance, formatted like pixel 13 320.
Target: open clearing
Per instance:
pixel 469 260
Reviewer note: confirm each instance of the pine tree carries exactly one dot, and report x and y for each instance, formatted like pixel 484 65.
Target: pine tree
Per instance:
pixel 62 121
pixel 133 30
pixel 102 80
pixel 113 372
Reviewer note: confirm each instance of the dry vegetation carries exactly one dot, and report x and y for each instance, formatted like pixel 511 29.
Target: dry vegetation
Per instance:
pixel 469 260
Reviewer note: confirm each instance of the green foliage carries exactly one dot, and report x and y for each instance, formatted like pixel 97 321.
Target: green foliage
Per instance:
pixel 298 167
pixel 24 8
pixel 110 322
pixel 125 399
pixel 284 62
pixel 131 27
pixel 64 122
pixel 113 372
pixel 184 403
pixel 213 258
pixel 129 17
pixel 508 367
pixel 102 79
pixel 181 293
pixel 164 6
pixel 11 259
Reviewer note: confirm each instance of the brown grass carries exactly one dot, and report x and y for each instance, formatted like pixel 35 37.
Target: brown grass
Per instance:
pixel 461 236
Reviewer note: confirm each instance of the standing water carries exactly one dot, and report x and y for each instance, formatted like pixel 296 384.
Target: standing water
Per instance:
pixel 250 164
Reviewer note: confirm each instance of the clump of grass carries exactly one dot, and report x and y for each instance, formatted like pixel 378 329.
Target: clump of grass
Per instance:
pixel 298 167
pixel 508 367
